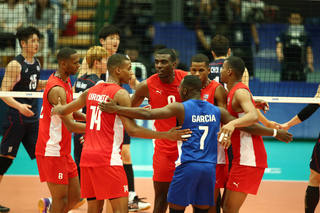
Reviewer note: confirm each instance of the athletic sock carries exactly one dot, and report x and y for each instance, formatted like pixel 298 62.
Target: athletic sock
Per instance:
pixel 131 196
pixel 129 172
pixel 311 199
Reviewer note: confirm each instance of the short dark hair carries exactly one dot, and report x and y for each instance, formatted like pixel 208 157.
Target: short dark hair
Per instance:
pixel 237 65
pixel 168 51
pixel 192 82
pixel 116 60
pixel 220 45
pixel 24 33
pixel 65 53
pixel 108 30
pixel 200 58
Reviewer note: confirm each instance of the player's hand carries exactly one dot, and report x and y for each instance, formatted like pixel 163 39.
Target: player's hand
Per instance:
pixel 283 135
pixel 224 139
pixel 178 134
pixel 284 126
pixel 261 104
pixel 82 139
pixel 224 135
pixel 57 109
pixel 25 110
pixel 110 106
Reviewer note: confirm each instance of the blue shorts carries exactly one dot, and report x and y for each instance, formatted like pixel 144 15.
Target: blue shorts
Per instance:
pixel 193 183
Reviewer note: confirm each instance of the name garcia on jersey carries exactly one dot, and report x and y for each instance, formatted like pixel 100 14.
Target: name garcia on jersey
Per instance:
pixel 203 118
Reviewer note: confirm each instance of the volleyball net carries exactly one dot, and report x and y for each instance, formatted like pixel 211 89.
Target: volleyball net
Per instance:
pixel 278 40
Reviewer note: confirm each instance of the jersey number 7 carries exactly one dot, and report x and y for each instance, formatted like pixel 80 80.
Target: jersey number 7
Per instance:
pixel 204 135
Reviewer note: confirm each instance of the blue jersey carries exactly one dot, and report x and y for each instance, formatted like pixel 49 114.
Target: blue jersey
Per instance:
pixel 203 119
pixel 215 69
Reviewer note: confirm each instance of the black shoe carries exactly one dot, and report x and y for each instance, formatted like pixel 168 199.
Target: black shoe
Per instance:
pixel 4 209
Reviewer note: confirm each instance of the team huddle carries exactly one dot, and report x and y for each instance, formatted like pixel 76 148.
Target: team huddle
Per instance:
pixel 207 135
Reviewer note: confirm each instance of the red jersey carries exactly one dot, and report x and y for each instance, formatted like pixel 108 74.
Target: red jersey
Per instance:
pixel 160 95
pixel 207 93
pixel 104 131
pixel 54 139
pixel 248 150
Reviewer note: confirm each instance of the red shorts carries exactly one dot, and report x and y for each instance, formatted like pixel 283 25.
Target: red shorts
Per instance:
pixel 102 183
pixel 56 169
pixel 221 175
pixel 245 179
pixel 163 166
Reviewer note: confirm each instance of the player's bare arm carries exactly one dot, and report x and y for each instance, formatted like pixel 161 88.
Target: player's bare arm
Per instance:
pixel 58 95
pixel 73 106
pixel 220 97
pixel 141 93
pixel 11 77
pixel 79 116
pixel 173 109
pixel 245 77
pixel 122 99
pixel 256 129
pixel 242 102
pixel 305 113
pixel 41 84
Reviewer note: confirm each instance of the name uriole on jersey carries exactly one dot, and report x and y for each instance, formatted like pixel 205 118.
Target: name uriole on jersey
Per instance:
pixel 203 119
pixel 54 139
pixel 247 149
pixel 29 78
pixel 104 131
pixel 160 95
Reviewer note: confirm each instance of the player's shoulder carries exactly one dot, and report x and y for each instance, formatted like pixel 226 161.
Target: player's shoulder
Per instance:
pixel 14 65
pixel 181 72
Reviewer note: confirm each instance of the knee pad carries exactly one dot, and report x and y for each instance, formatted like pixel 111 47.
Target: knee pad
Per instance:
pixel 5 163
pixel 197 210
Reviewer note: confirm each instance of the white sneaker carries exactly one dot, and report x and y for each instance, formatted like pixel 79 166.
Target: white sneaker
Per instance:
pixel 137 204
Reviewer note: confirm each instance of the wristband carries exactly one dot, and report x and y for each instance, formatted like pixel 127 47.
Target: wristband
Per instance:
pixel 274 133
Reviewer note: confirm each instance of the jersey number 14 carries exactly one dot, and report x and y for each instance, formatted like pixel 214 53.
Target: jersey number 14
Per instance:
pixel 95 118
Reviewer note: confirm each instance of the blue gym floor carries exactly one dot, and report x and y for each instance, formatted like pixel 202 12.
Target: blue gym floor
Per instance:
pixel 286 161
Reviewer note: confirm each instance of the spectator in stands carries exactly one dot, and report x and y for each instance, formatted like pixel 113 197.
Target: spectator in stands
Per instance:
pixel 213 16
pixel 12 17
pixel 135 19
pixel 138 63
pixel 294 51
pixel 67 19
pixel 42 15
pixel 243 29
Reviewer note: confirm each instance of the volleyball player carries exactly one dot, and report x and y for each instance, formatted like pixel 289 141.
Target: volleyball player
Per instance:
pixel 193 180
pixel 22 118
pixel 103 176
pixel 109 38
pixel 162 89
pixel 220 50
pixel 96 58
pixel 214 93
pixel 249 155
pixel 55 164
pixel 312 192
